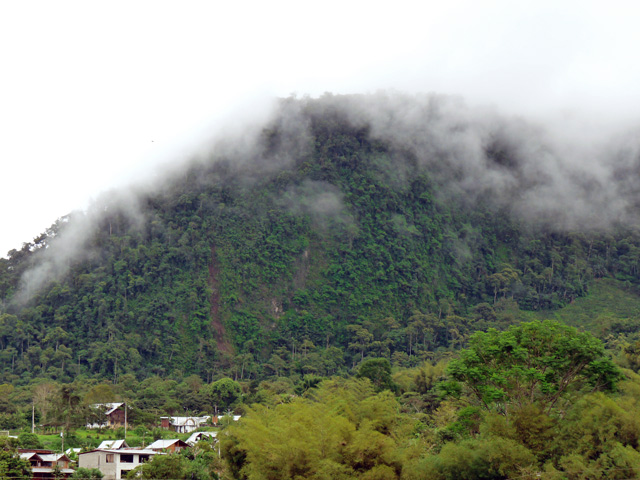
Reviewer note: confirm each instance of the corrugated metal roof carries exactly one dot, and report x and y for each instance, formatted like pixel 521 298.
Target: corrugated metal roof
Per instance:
pixel 28 455
pixel 162 444
pixel 111 407
pixel 126 451
pixel 115 444
pixel 196 436
pixel 131 451
pixel 53 457
pixel 50 470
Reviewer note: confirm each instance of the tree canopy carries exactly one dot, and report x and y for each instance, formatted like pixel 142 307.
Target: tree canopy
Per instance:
pixel 11 465
pixel 534 362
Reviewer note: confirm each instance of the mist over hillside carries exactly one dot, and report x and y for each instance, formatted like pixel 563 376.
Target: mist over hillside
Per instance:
pixel 387 224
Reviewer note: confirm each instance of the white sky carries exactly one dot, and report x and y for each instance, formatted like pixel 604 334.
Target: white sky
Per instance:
pixel 94 94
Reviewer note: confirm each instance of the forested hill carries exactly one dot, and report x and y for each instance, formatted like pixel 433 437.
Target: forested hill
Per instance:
pixel 349 227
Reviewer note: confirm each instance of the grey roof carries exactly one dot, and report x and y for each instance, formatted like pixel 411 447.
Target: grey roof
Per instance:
pixel 50 469
pixel 126 451
pixel 179 421
pixel 162 444
pixel 143 451
pixel 27 455
pixel 196 436
pixel 52 457
pixel 115 444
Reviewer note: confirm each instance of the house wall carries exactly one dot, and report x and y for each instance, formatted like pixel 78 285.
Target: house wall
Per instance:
pixel 116 469
pixel 124 467
pixel 116 418
pixel 176 447
pixel 98 460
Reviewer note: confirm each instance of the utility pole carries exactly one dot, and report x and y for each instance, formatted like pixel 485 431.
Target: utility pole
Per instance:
pixel 125 420
pixel 33 417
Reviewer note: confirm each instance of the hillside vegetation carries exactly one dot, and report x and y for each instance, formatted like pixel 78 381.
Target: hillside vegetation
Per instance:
pixel 307 248
pixel 383 287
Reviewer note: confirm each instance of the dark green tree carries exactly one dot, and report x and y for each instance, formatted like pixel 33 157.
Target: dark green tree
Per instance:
pixel 222 393
pixel 378 370
pixel 29 440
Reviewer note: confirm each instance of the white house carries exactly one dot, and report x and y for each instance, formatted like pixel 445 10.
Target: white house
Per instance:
pixel 197 436
pixel 185 424
pixel 115 464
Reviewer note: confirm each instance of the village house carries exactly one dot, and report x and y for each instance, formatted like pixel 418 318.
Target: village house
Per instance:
pixel 115 463
pixel 44 463
pixel 185 424
pixel 110 415
pixel 72 451
pixel 197 436
pixel 172 446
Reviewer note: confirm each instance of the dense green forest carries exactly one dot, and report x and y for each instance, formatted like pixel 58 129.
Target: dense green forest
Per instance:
pixel 537 400
pixel 317 244
pixel 350 270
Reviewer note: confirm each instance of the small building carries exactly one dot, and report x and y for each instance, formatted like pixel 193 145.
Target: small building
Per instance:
pixel 224 418
pixel 112 445
pixel 44 462
pixel 197 436
pixel 114 464
pixel 111 415
pixel 173 445
pixel 185 424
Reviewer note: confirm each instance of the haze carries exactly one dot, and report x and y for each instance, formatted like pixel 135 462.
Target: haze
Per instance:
pixel 98 95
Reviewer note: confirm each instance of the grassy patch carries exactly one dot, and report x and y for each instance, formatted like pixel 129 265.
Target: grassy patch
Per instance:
pixel 609 304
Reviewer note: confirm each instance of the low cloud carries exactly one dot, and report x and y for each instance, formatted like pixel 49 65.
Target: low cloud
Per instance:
pixel 544 174
pixel 69 240
pixel 322 201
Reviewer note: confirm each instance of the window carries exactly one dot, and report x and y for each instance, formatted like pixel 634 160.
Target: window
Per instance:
pixel 109 457
pixel 144 458
pixel 126 458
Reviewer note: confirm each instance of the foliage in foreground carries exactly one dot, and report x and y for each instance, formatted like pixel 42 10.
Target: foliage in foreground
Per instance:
pixel 348 428
pixel 86 474
pixel 197 463
pixel 341 430
pixel 11 465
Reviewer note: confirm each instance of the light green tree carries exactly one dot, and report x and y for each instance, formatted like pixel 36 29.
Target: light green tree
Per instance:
pixel 534 362
pixel 11 465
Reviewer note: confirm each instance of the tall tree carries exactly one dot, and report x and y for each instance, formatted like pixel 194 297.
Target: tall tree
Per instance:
pixel 534 362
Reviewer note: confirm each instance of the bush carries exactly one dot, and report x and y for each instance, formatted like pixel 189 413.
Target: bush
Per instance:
pixel 29 440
